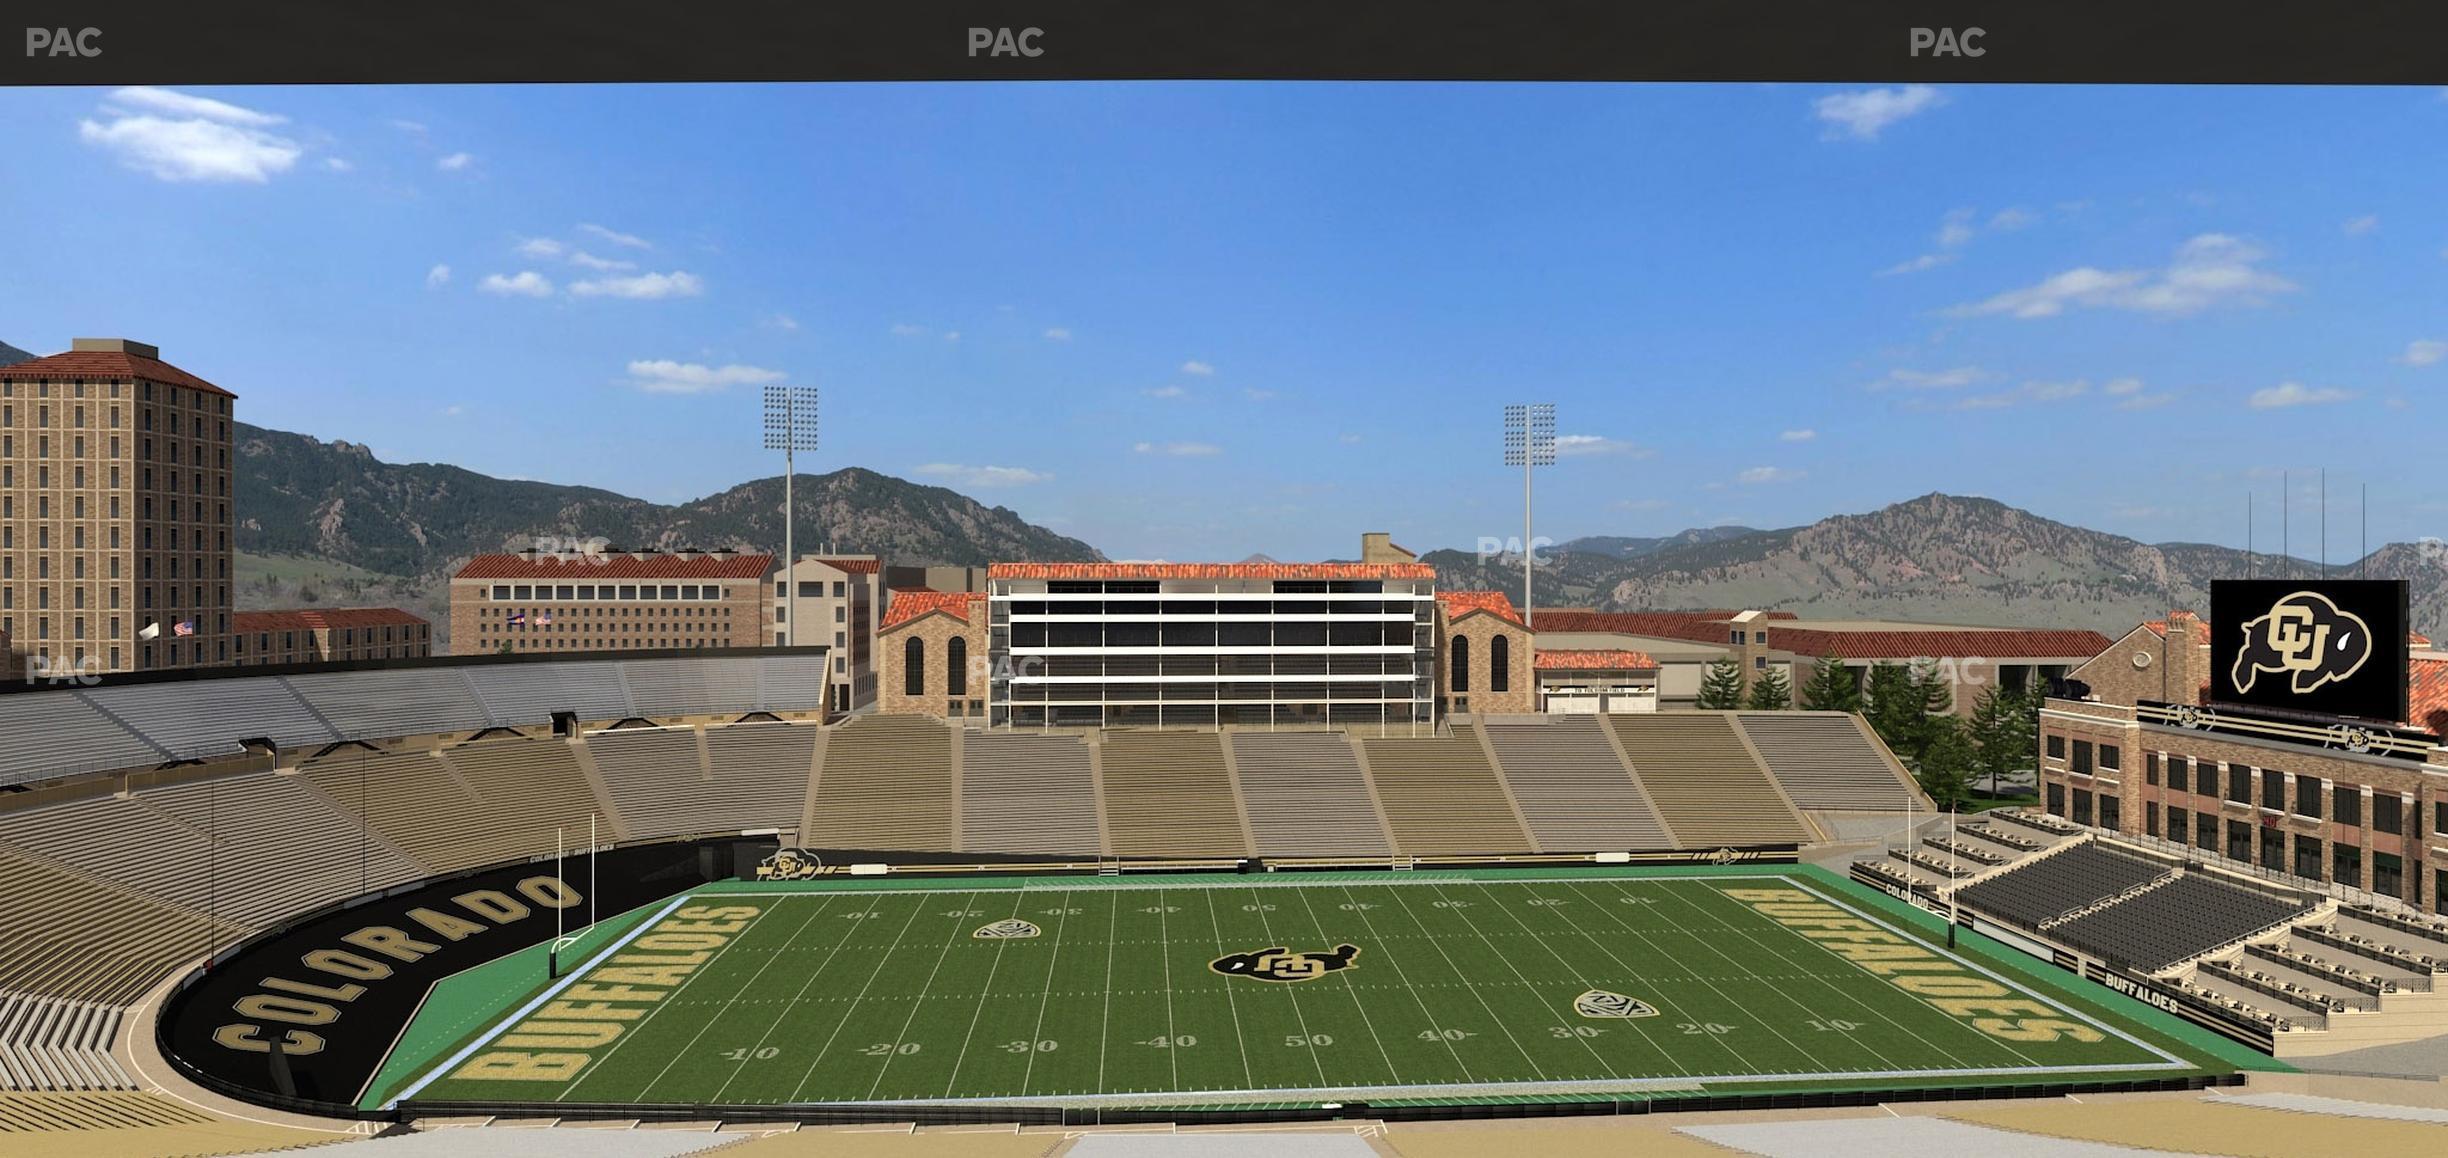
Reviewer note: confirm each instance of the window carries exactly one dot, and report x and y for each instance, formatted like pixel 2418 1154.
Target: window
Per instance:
pixel 2056 800
pixel 1460 656
pixel 2150 769
pixel 1500 663
pixel 2273 790
pixel 2308 796
pixel 2082 807
pixel 2150 817
pixel 2388 815
pixel 2239 841
pixel 2273 850
pixel 2206 778
pixel 2388 874
pixel 2179 826
pixel 913 667
pixel 2349 809
pixel 2110 811
pixel 2056 747
pixel 2239 783
pixel 2110 757
pixel 956 666
pixel 2205 831
pixel 2308 857
pixel 2346 865
pixel 2082 757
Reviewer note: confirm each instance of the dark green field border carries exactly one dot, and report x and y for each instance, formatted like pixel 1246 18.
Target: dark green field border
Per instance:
pixel 2211 1054
pixel 463 1006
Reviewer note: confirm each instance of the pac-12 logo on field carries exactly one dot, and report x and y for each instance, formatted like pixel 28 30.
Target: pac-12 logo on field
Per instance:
pixel 1607 1003
pixel 1278 963
pixel 1006 929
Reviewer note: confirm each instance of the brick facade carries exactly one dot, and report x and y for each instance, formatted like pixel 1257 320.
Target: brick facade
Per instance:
pixel 1474 636
pixel 930 637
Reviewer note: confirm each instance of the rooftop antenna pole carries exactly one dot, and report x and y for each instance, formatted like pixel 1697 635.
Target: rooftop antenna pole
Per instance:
pixel 2286 538
pixel 2324 522
pixel 790 427
pixel 1529 442
pixel 2363 512
pixel 2248 535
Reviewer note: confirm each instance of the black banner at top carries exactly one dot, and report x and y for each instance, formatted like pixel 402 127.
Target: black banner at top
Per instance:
pixel 2332 647
pixel 117 42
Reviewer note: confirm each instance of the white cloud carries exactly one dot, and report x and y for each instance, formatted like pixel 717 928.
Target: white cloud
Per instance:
pixel 177 137
pixel 412 128
pixel 453 411
pixel 616 237
pixel 455 162
pixel 1348 439
pixel 1863 114
pixel 2213 269
pixel 2013 217
pixel 663 376
pixel 540 247
pixel 585 260
pixel 2145 401
pixel 906 330
pixel 1166 392
pixel 2027 392
pixel 1767 474
pixel 951 335
pixel 1954 379
pixel 783 322
pixel 439 275
pixel 525 283
pixel 2424 352
pixel 1058 334
pixel 1955 229
pixel 984 477
pixel 1201 369
pixel 1178 449
pixel 338 164
pixel 1257 395
pixel 2287 394
pixel 641 287
pixel 1797 436
pixel 1650 504
pixel 1921 264
pixel 2120 387
pixel 2358 226
pixel 1578 445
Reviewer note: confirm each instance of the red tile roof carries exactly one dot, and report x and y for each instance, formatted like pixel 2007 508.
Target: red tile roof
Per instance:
pixel 332 618
pixel 1988 643
pixel 2201 629
pixel 1697 626
pixel 848 566
pixel 616 565
pixel 912 603
pixel 103 366
pixel 1581 659
pixel 1211 571
pixel 2427 699
pixel 1457 604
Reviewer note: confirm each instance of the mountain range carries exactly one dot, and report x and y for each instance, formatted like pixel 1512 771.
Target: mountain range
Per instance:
pixel 327 520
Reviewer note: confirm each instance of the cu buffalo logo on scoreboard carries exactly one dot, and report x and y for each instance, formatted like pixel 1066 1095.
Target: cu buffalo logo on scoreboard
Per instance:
pixel 2305 639
pixel 1278 963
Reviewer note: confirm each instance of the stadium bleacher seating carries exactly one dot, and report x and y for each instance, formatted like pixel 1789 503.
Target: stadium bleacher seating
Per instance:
pixel 407 798
pixel 52 1043
pixel 1707 787
pixel 886 784
pixel 2042 890
pixel 689 687
pixel 393 703
pixel 2186 917
pixel 1442 796
pixel 1573 789
pixel 526 789
pixel 201 718
pixel 529 693
pixel 283 849
pixel 1028 792
pixel 1169 794
pixel 119 839
pixel 1305 795
pixel 80 937
pixel 55 733
pixel 758 774
pixel 657 779
pixel 1828 760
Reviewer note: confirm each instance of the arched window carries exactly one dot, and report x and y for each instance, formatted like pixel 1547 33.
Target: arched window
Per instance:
pixel 1500 664
pixel 956 667
pixel 913 667
pixel 1461 664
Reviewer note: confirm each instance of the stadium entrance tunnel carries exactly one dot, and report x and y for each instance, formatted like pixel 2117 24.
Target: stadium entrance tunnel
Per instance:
pixel 302 1015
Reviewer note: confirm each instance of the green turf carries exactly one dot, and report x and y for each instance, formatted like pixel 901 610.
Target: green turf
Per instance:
pixel 1464 988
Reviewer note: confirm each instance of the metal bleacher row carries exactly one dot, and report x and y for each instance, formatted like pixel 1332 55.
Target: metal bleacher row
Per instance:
pixel 110 883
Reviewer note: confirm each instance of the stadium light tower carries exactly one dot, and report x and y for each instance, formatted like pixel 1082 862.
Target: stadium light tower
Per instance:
pixel 1529 442
pixel 790 427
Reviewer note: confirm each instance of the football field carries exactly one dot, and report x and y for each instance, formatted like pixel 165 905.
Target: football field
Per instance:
pixel 1285 989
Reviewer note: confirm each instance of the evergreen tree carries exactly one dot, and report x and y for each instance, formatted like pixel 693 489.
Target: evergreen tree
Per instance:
pixel 1932 688
pixel 1831 688
pixel 1721 689
pixel 1772 691
pixel 1948 761
pixel 1893 707
pixel 1992 730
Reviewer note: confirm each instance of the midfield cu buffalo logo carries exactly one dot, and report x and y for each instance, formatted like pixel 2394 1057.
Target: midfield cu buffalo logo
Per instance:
pixel 2306 638
pixel 1281 964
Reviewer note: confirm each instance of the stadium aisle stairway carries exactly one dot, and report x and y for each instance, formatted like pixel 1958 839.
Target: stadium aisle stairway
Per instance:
pixel 1573 789
pixel 886 784
pixel 52 1043
pixel 1442 797
pixel 1168 794
pixel 1707 786
pixel 1026 792
pixel 1305 795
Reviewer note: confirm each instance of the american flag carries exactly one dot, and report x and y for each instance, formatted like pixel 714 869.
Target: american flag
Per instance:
pixel 183 627
pixel 518 619
pixel 544 617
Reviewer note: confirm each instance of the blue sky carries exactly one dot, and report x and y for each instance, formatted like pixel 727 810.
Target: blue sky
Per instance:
pixel 1198 321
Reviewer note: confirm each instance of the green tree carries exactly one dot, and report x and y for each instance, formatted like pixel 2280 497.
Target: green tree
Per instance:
pixel 1721 689
pixel 1947 764
pixel 1831 688
pixel 1772 691
pixel 1892 706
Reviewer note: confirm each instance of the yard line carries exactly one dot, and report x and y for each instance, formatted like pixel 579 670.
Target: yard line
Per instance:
pixel 804 986
pixel 1477 996
pixel 1730 998
pixel 852 1011
pixel 598 1064
pixel 1840 991
pixel 984 992
pixel 1427 1018
pixel 1308 1039
pixel 1113 918
pixel 1164 955
pixel 1631 970
pixel 1603 1064
pixel 1239 1042
pixel 1392 1071
pixel 1053 962
pixel 729 1000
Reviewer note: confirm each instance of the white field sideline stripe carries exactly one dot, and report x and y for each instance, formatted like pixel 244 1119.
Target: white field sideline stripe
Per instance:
pixel 550 992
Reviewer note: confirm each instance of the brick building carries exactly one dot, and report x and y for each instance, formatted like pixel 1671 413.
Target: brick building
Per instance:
pixel 1486 655
pixel 114 510
pixel 933 655
pixel 2129 748
pixel 327 635
pixel 609 601
pixel 839 604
